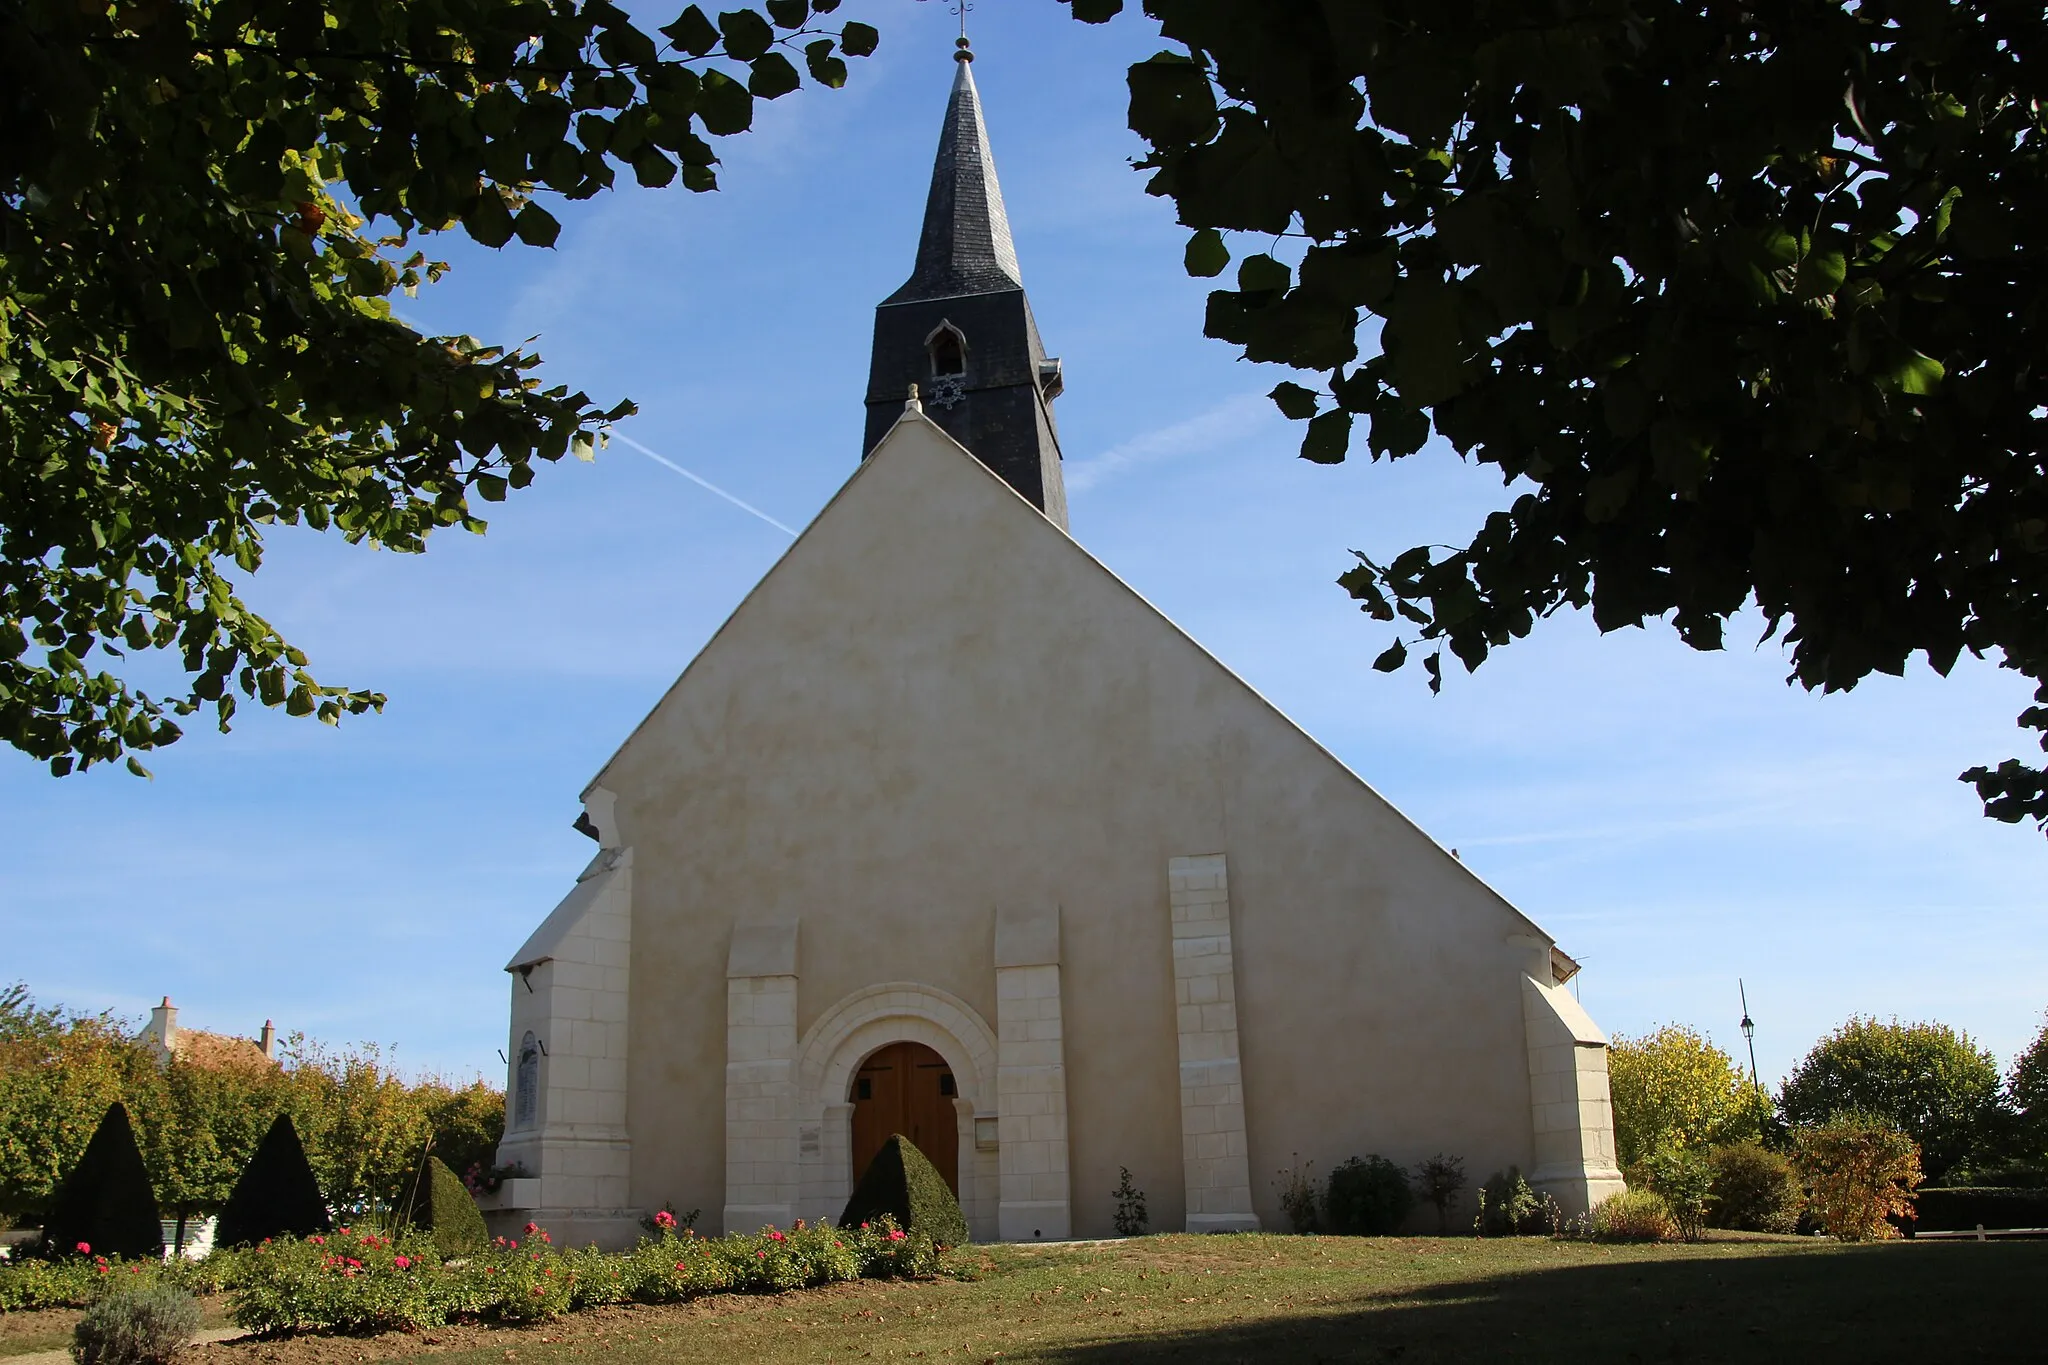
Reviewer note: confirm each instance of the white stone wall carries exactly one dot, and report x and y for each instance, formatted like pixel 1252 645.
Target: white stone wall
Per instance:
pixel 761 1138
pixel 1568 1099
pixel 570 989
pixel 1215 1156
pixel 1031 1078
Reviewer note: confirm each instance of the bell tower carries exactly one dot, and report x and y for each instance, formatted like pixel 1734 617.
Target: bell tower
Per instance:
pixel 961 329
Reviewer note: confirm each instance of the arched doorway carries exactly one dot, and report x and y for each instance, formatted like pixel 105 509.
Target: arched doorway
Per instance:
pixel 907 1088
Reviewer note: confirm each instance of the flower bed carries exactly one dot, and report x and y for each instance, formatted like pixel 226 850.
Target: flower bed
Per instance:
pixel 363 1282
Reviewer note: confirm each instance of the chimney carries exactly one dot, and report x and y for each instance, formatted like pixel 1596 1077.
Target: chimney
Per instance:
pixel 269 1042
pixel 163 1025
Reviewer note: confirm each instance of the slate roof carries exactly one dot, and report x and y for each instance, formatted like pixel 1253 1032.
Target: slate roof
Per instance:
pixel 966 246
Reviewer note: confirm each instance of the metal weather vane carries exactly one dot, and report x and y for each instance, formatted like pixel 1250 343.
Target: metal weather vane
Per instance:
pixel 959 7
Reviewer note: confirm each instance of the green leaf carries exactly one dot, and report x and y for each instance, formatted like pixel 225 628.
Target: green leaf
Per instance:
pixel 1295 402
pixel 1918 373
pixel 1821 272
pixel 725 105
pixel 1207 254
pixel 773 77
pixel 1328 438
pixel 1262 274
pixel 488 221
pixel 1172 101
pixel 858 39
pixel 692 32
pixel 747 34
pixel 825 68
pixel 535 226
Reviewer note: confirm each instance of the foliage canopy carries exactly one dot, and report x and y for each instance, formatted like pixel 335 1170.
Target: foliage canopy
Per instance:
pixel 205 208
pixel 1742 302
pixel 1673 1090
pixel 1935 1084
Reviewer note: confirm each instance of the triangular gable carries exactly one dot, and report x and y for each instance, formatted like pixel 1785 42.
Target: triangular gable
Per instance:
pixel 918 454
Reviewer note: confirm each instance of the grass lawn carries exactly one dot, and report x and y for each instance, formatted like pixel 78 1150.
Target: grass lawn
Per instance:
pixel 1182 1300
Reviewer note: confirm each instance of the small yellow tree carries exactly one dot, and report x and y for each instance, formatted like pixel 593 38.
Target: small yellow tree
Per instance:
pixel 1673 1090
pixel 1858 1172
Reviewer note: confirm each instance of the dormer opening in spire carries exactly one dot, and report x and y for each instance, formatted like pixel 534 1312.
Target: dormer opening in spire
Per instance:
pixel 966 282
pixel 948 350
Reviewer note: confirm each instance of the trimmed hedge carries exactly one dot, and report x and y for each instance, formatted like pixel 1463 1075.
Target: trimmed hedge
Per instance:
pixel 437 1202
pixel 106 1205
pixel 1961 1210
pixel 901 1185
pixel 277 1195
pixel 1368 1198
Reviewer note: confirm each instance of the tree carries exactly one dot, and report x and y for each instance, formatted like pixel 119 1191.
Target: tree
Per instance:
pixel 1933 1083
pixel 205 207
pixel 59 1071
pixel 2027 1093
pixel 1674 1090
pixel 1741 301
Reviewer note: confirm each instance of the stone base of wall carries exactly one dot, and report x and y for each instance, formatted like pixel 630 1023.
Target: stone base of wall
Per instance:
pixel 610 1229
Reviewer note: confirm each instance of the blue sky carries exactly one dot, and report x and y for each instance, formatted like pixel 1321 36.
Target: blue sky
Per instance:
pixel 1677 820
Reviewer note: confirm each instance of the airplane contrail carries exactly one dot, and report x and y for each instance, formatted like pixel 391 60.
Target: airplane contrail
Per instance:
pixel 702 482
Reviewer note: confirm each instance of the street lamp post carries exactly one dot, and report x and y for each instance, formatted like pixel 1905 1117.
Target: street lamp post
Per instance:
pixel 1749 1036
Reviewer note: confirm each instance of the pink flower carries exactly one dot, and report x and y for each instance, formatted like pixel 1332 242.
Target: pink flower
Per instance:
pixel 84 1248
pixel 402 1262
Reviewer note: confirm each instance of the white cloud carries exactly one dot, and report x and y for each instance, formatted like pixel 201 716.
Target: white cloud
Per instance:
pixel 1234 419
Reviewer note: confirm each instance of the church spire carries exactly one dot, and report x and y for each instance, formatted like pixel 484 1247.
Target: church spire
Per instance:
pixel 966 246
pixel 961 329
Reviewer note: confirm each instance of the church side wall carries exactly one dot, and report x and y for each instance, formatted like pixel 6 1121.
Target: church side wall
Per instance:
pixel 936 710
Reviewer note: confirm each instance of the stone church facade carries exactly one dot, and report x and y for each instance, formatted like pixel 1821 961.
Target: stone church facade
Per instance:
pixel 1028 876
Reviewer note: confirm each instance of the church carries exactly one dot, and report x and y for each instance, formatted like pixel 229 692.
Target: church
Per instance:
pixel 948 832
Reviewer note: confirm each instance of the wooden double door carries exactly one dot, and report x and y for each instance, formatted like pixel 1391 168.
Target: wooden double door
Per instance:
pixel 907 1088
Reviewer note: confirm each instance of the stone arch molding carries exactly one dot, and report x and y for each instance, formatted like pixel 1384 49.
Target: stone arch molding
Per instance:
pixel 834 1047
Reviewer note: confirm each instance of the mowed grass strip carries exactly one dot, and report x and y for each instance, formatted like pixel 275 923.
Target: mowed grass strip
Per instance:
pixel 1197 1300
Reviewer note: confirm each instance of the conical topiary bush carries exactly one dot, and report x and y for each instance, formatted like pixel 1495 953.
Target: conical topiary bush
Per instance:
pixel 436 1199
pixel 277 1195
pixel 106 1203
pixel 904 1185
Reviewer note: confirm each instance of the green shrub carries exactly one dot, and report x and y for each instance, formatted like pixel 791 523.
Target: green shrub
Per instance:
pixel 1368 1198
pixel 902 1186
pixel 146 1326
pixel 1439 1179
pixel 437 1202
pixel 1297 1187
pixel 1131 1213
pixel 1754 1189
pixel 106 1206
pixel 1507 1205
pixel 1634 1216
pixel 1859 1172
pixel 1685 1182
pixel 276 1196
